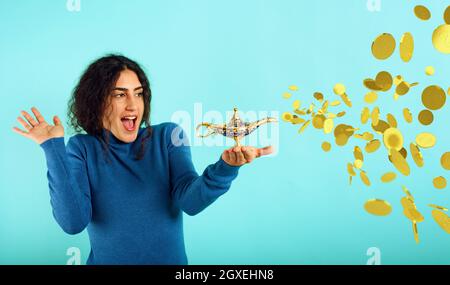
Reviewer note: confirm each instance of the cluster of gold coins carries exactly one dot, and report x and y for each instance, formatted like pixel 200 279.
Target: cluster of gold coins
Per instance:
pixel 322 117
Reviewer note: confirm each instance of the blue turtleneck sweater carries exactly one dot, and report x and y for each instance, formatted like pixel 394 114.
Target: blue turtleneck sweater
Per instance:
pixel 132 209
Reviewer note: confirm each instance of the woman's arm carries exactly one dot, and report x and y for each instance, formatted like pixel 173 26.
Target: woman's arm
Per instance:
pixel 67 176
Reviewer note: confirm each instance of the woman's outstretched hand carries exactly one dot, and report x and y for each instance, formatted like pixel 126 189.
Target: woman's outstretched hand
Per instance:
pixel 39 131
pixel 240 155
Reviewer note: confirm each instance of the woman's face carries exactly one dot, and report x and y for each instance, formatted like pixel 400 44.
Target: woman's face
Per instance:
pixel 125 106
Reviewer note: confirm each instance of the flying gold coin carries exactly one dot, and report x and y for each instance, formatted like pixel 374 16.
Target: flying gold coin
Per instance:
pixel 445 161
pixel 346 100
pixel 375 116
pixel 426 117
pixel 318 96
pixel 371 97
pixel 441 38
pixel 442 220
pixel 371 84
pixel 372 146
pixel 433 97
pixel 326 146
pixel 438 207
pixel 339 89
pixel 341 114
pixel 365 115
pixel 439 182
pixel 367 136
pixel 318 121
pixel 407 115
pixel 402 88
pixel 429 70
pixel 296 104
pixel 416 232
pixel 287 95
pixel 447 15
pixel 393 139
pixel 399 162
pixel 287 117
pixel 358 163
pixel 383 46
pixel 364 178
pixel 350 169
pixel 378 207
pixel 422 12
pixel 397 80
pixel 297 121
pixel 381 127
pixel 425 140
pixel 304 126
pixel 388 177
pixel 293 88
pixel 416 155
pixel 406 47
pixel 328 125
pixel 335 103
pixel 384 80
pixel 391 120
pixel 412 214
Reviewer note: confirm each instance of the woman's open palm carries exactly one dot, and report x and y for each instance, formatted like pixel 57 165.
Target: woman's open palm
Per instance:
pixel 39 131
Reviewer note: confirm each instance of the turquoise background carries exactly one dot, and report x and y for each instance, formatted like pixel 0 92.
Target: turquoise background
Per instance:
pixel 295 207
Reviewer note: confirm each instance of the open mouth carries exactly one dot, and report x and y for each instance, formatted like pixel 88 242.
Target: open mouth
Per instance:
pixel 129 123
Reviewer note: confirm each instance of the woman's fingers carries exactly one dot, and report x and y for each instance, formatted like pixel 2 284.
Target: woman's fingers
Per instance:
pixel 240 156
pixel 20 132
pixel 29 118
pixel 38 115
pixel 56 121
pixel 24 124
pixel 249 153
pixel 264 151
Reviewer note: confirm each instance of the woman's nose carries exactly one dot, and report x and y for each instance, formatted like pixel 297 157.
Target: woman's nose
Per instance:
pixel 131 102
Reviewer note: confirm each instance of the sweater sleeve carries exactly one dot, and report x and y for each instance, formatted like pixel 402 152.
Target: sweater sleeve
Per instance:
pixel 68 182
pixel 193 193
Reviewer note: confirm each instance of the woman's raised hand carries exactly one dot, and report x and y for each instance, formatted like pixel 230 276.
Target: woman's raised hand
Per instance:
pixel 39 131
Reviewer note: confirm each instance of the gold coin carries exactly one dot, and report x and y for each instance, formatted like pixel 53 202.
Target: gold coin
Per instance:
pixel 407 115
pixel 318 96
pixel 371 97
pixel 350 169
pixel 433 97
pixel 407 203
pixel 426 117
pixel 399 162
pixel 406 47
pixel 397 80
pixel 341 139
pixel 425 140
pixel 287 95
pixel 367 136
pixel 357 153
pixel 300 112
pixel 429 70
pixel 447 15
pixel 328 125
pixel 438 207
pixel 340 114
pixel 318 121
pixel 416 232
pixel 335 103
pixel 391 120
pixel 384 80
pixel 439 182
pixel 375 116
pixel 293 88
pixel 393 139
pixel 296 104
pixel 441 38
pixel 413 215
pixel 346 100
pixel 304 126
pixel 339 89
pixel 381 127
pixel 445 161
pixel 378 207
pixel 297 121
pixel 287 117
pixel 372 146
pixel 370 84
pixel 422 12
pixel 358 163
pixel 388 177
pixel 416 155
pixel 408 193
pixel 442 220
pixel 396 96
pixel 402 88
pixel 364 178
pixel 365 115
pixel 383 46
pixel 326 146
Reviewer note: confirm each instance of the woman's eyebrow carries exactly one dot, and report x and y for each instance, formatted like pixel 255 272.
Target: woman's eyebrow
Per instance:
pixel 126 89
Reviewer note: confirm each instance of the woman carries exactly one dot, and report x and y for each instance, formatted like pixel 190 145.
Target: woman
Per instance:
pixel 126 184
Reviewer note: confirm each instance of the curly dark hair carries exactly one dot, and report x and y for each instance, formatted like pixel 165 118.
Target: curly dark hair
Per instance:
pixel 89 98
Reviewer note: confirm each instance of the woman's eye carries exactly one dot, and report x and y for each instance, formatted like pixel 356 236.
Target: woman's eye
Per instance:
pixel 119 95
pixel 140 94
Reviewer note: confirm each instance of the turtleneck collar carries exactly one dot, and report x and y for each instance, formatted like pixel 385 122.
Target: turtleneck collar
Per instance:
pixel 113 140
